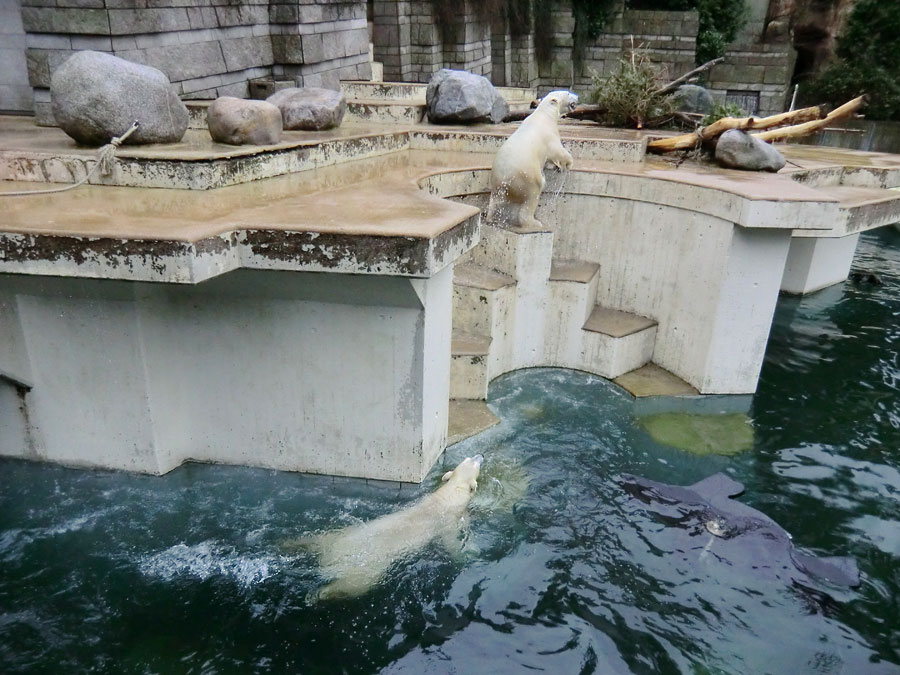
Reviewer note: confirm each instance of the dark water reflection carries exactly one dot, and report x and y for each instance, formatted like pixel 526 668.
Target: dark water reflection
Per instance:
pixel 561 571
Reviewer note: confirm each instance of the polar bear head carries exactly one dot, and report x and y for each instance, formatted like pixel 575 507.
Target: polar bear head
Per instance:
pixel 559 102
pixel 465 475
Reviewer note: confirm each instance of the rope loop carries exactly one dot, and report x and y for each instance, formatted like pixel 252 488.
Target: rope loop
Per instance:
pixel 105 158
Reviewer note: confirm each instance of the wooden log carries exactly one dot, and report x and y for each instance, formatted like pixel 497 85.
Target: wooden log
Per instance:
pixel 849 109
pixel 690 141
pixel 674 84
pixel 587 111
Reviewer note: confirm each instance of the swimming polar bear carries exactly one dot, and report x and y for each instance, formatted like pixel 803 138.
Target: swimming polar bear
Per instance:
pixel 517 176
pixel 356 557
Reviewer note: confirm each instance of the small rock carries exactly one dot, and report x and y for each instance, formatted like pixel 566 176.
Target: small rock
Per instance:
pixel 739 150
pixel 95 96
pixel 240 122
pixel 694 99
pixel 456 96
pixel 310 108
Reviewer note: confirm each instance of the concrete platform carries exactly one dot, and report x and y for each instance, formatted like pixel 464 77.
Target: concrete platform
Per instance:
pixel 244 307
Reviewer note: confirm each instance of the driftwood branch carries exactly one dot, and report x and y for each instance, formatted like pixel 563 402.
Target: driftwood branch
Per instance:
pixel 690 141
pixel 674 84
pixel 587 111
pixel 849 109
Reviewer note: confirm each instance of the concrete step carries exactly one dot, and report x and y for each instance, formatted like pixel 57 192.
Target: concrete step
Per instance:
pixel 572 293
pixel 476 298
pixel 469 365
pixel 411 91
pixel 467 418
pixel 651 380
pixel 385 112
pixel 616 342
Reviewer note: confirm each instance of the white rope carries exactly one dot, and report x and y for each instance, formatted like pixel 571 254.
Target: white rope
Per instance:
pixel 104 162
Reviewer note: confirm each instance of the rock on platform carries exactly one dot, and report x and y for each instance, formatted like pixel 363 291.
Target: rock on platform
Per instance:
pixel 96 96
pixel 455 96
pixel 737 149
pixel 310 108
pixel 236 121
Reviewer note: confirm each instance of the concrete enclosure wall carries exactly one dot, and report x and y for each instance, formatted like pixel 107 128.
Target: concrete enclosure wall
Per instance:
pixel 354 370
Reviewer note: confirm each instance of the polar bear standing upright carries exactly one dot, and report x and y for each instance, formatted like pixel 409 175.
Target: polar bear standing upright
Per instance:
pixel 517 177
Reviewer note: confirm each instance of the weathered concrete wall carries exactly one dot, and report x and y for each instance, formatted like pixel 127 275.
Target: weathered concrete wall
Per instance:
pixel 208 48
pixel 336 374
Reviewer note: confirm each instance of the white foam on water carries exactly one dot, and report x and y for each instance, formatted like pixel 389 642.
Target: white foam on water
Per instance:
pixel 210 559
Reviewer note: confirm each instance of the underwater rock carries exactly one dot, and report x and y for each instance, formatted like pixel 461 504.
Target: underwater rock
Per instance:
pixel 726 434
pixel 737 149
pixel 310 108
pixel 693 98
pixel 237 121
pixel 96 96
pixel 736 535
pixel 456 96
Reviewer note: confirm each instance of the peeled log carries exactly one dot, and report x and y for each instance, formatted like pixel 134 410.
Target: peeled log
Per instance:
pixel 847 110
pixel 690 141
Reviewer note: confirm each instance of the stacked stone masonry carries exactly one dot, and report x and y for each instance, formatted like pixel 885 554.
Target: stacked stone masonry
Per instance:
pixel 207 48
pixel 412 45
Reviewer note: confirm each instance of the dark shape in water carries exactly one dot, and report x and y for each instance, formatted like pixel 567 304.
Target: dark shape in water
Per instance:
pixel 745 533
pixel 865 277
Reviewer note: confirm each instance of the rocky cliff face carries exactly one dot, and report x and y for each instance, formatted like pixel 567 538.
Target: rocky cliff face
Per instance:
pixel 814 26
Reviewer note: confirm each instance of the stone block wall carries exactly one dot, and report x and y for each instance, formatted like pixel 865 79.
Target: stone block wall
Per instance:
pixel 15 91
pixel 208 48
pixel 755 71
pixel 319 44
pixel 669 37
pixel 412 46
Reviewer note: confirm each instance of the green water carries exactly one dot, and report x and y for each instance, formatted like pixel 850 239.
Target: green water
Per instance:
pixel 560 570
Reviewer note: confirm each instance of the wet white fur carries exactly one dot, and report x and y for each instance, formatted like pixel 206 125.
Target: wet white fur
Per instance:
pixel 517 176
pixel 358 556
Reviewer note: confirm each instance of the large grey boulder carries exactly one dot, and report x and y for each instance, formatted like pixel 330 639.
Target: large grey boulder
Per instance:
pixel 692 98
pixel 456 96
pixel 240 122
pixel 737 149
pixel 310 108
pixel 95 96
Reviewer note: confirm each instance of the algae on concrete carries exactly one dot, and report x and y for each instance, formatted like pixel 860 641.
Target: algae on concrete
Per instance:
pixel 724 434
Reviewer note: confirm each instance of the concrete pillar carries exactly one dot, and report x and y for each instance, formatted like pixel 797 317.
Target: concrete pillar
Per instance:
pixel 391 39
pixel 501 52
pixel 324 373
pixel 739 329
pixel 814 263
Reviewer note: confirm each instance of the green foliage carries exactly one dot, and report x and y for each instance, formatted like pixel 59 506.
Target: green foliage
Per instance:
pixel 720 21
pixel 629 95
pixel 867 62
pixel 721 110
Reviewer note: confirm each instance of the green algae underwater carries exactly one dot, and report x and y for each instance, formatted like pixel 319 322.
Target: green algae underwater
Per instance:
pixel 559 569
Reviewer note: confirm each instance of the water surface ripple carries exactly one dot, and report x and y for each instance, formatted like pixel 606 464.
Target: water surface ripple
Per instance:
pixel 560 569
